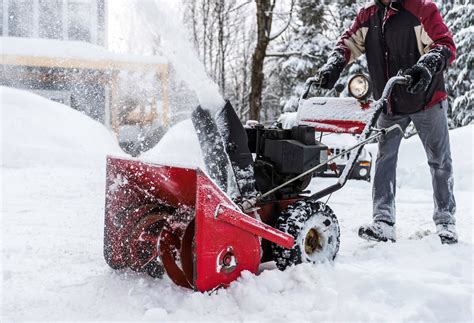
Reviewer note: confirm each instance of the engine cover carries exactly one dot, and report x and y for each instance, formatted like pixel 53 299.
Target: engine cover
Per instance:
pixel 282 154
pixel 292 156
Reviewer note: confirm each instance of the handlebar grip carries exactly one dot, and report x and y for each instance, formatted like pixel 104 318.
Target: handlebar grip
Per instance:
pixel 309 82
pixel 408 79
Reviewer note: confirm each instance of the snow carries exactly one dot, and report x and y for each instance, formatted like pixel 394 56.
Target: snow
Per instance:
pixel 413 168
pixel 288 120
pixel 158 19
pixel 50 48
pixel 52 234
pixel 320 109
pixel 179 147
pixel 342 140
pixel 37 132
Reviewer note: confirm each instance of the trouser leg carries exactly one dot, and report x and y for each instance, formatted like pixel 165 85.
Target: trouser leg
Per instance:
pixel 432 127
pixel 384 185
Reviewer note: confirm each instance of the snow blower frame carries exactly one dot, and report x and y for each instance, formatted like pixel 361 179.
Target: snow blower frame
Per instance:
pixel 203 228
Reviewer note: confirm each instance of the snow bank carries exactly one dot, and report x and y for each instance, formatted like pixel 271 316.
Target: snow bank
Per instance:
pixel 179 147
pixel 413 170
pixel 38 132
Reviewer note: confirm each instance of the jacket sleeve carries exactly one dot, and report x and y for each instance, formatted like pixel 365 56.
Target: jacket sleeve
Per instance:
pixel 351 43
pixel 435 35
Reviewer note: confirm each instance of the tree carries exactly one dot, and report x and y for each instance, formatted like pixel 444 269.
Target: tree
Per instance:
pixel 296 56
pixel 264 13
pixel 305 48
pixel 212 27
pixel 459 16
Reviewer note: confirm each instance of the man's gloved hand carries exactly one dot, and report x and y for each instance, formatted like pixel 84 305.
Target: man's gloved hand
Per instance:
pixel 428 65
pixel 329 73
pixel 420 78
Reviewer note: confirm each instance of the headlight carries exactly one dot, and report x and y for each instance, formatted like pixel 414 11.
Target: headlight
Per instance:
pixel 363 172
pixel 359 87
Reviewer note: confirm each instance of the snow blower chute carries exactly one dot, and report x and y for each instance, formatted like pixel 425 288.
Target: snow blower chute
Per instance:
pixel 203 228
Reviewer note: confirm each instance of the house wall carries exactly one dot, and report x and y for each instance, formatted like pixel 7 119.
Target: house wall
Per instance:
pixel 74 20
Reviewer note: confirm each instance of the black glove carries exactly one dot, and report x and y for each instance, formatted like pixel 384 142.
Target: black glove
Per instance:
pixel 428 65
pixel 420 78
pixel 329 73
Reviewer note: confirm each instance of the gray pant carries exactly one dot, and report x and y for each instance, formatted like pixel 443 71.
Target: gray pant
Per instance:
pixel 432 128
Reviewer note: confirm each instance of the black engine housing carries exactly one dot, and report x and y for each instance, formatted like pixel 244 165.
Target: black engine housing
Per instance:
pixel 282 154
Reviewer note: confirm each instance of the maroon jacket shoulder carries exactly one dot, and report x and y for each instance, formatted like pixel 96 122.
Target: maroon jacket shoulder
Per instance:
pixel 430 18
pixel 363 16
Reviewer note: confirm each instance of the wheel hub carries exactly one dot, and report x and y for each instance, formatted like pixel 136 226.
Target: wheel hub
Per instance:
pixel 312 242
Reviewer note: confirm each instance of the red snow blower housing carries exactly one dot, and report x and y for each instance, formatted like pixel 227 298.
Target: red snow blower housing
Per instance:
pixel 203 228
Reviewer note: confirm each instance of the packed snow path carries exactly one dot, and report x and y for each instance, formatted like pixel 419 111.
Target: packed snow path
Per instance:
pixel 53 268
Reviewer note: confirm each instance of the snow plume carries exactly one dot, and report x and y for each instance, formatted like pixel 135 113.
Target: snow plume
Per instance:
pixel 162 21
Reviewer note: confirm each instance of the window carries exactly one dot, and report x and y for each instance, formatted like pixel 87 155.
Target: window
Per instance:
pixel 79 20
pixel 1 20
pixel 20 18
pixel 50 19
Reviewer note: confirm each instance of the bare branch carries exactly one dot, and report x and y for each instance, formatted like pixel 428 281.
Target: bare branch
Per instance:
pixel 289 54
pixel 240 6
pixel 272 37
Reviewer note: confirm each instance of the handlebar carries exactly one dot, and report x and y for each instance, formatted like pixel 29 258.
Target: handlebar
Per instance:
pixel 309 82
pixel 399 79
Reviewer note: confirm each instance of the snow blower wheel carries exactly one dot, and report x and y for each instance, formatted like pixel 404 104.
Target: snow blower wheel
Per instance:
pixel 315 229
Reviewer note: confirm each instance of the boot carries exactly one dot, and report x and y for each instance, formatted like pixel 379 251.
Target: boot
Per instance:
pixel 447 233
pixel 378 231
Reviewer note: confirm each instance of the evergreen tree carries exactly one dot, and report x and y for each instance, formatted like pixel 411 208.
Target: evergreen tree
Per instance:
pixel 297 56
pixel 306 47
pixel 348 10
pixel 459 16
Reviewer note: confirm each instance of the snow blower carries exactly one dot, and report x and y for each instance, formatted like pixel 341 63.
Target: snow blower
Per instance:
pixel 204 227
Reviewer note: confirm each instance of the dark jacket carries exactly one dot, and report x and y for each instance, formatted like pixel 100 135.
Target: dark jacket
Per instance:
pixel 393 39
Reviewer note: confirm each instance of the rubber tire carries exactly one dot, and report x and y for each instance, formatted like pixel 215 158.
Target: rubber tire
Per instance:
pixel 296 221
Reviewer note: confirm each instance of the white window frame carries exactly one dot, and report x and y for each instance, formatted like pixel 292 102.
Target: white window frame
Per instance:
pixel 94 28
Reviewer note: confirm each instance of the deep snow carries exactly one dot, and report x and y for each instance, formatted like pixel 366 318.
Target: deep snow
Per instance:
pixel 37 132
pixel 52 234
pixel 178 147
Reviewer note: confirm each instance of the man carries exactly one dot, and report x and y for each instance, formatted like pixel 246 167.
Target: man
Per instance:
pixel 410 36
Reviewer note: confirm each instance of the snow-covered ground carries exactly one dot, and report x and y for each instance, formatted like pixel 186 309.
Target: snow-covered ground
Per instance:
pixel 52 234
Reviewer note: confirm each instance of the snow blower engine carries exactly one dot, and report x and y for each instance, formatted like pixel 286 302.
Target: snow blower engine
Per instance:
pixel 250 205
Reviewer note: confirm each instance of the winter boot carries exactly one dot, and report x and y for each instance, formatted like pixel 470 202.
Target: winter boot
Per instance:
pixel 447 233
pixel 378 231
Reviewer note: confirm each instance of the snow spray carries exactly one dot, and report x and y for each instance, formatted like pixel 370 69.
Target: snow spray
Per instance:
pixel 162 20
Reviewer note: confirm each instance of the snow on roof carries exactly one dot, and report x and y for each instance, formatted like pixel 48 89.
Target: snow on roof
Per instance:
pixel 13 48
